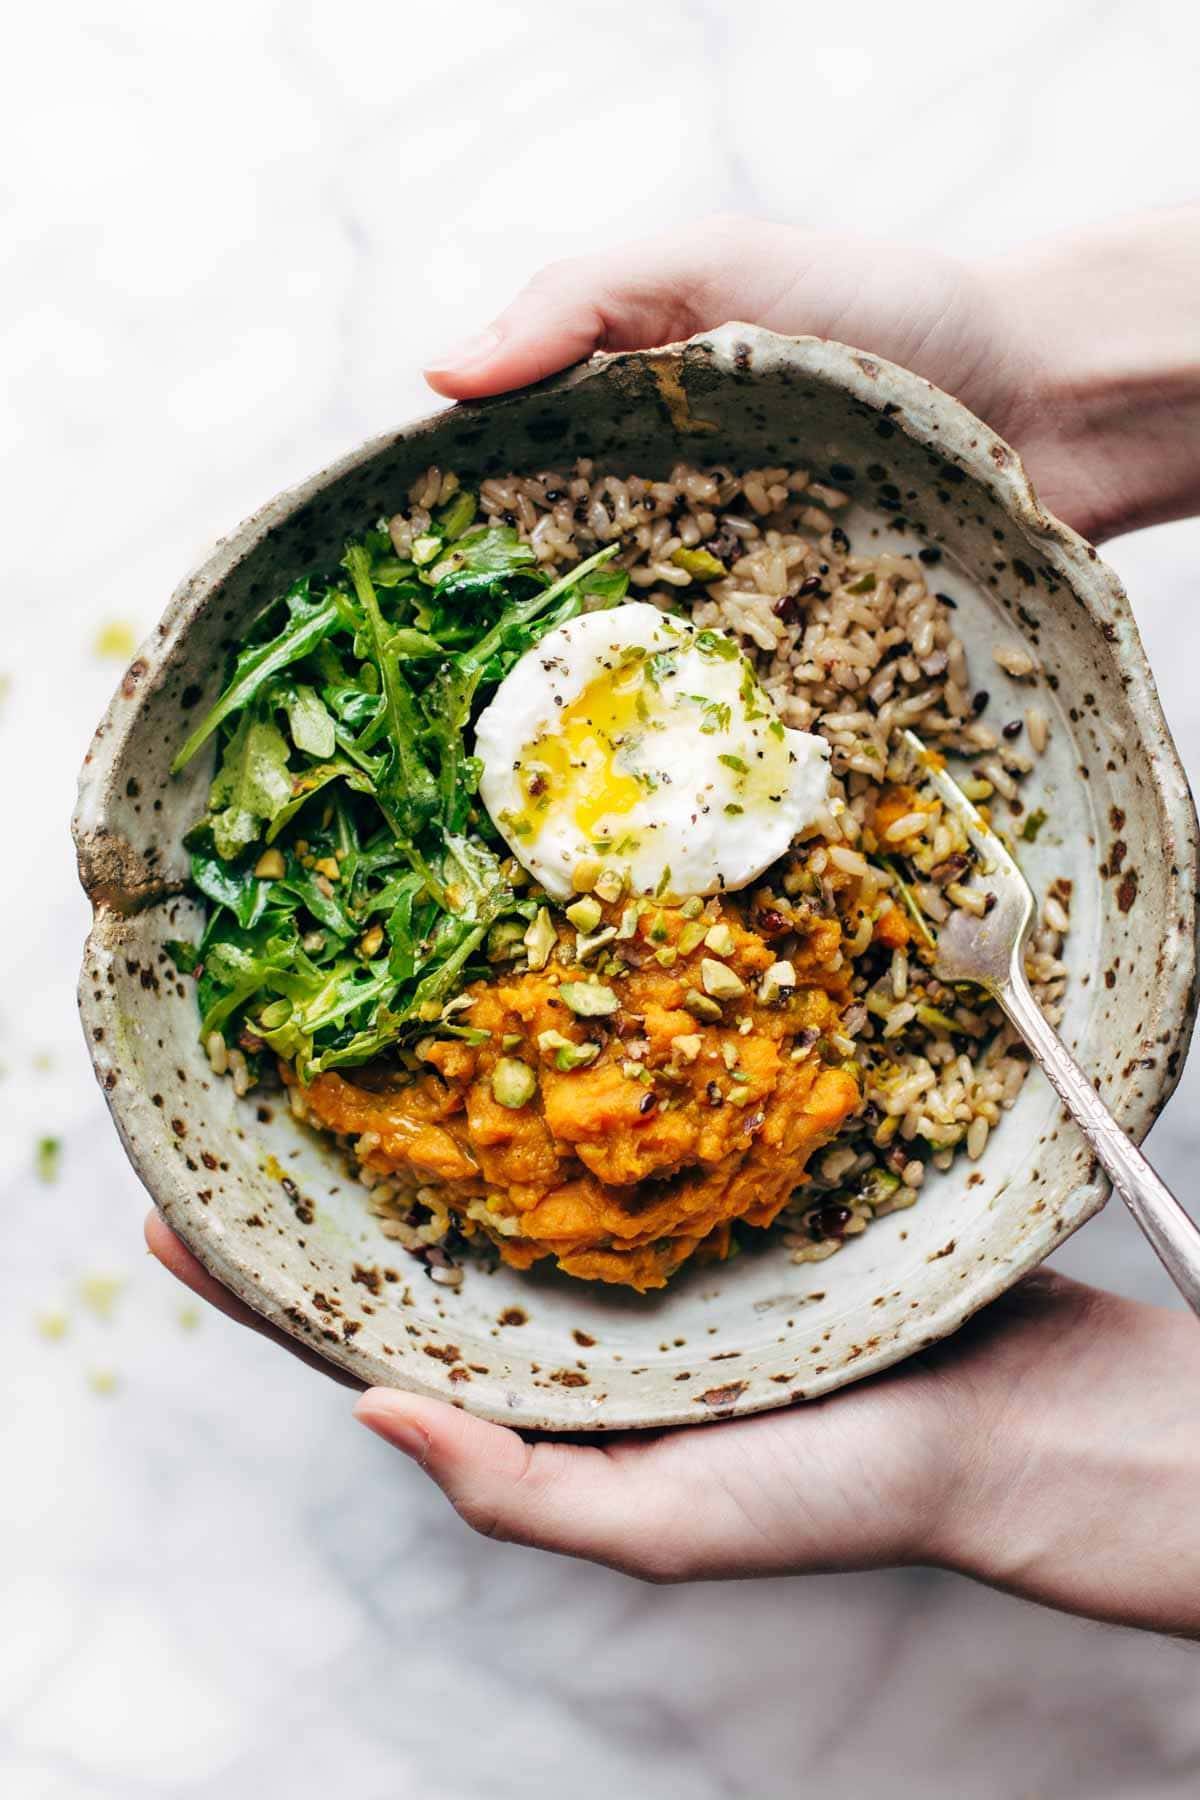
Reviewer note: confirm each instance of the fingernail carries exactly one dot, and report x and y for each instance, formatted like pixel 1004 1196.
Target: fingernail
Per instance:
pixel 398 1431
pixel 469 350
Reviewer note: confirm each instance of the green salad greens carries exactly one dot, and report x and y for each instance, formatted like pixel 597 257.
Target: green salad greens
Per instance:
pixel 353 882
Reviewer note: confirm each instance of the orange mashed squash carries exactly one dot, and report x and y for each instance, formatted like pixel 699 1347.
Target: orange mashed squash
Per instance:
pixel 627 1165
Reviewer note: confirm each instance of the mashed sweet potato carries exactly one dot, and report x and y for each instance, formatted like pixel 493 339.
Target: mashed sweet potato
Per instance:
pixel 677 1113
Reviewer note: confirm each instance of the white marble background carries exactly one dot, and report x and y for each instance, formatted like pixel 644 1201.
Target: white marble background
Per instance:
pixel 229 232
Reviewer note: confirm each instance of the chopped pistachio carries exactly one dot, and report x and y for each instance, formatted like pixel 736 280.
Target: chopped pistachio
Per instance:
pixel 719 980
pixel 665 955
pixel 729 1055
pixel 513 1082
pixel 691 935
pixel 371 942
pixel 116 638
pixel 658 928
pixel 587 946
pixel 540 938
pixel 585 914
pixel 739 1096
pixel 425 548
pixel 632 1070
pixel 688 1045
pixel 270 866
pixel 589 999
pixel 512 1040
pixel 719 939
pixel 778 978
pixel 505 940
pixel 700 1006
pixel 936 1019
pixel 745 1026
pixel 629 922
pixel 701 565
pixel 566 1054
pixel 585 874
pixel 47 1156
pixel 692 907
pixel 610 885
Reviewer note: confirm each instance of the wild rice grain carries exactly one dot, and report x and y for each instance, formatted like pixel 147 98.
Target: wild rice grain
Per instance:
pixel 908 825
pixel 848 861
pixel 977 1137
pixel 1014 661
pixel 1055 915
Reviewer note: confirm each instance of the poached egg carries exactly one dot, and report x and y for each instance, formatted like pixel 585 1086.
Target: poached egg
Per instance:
pixel 632 740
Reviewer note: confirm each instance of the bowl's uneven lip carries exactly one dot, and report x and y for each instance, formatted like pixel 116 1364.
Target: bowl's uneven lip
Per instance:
pixel 931 418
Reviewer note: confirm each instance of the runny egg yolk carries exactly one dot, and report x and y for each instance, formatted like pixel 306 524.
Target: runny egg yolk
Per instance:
pixel 579 759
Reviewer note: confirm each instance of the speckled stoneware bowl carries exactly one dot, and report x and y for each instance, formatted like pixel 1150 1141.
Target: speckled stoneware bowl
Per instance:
pixel 270 1211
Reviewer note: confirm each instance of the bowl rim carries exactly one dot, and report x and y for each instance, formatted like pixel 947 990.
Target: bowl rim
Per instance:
pixel 118 882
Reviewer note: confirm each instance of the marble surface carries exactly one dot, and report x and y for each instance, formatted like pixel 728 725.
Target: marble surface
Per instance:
pixel 229 234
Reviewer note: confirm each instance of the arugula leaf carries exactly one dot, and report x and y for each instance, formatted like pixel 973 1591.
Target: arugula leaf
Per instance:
pixel 407 784
pixel 309 721
pixel 404 932
pixel 251 786
pixel 226 885
pixel 495 549
pixel 310 621
pixel 311 782
pixel 302 885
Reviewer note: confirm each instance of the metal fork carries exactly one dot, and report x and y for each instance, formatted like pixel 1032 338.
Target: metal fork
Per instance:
pixel 988 951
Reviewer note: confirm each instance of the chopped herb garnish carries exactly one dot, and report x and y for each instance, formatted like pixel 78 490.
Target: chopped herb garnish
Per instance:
pixel 716 644
pixel 718 714
pixel 1033 825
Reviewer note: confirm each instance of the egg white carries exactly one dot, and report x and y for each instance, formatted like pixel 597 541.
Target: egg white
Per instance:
pixel 633 740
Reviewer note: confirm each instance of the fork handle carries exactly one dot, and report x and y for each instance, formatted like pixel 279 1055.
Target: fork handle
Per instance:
pixel 1173 1235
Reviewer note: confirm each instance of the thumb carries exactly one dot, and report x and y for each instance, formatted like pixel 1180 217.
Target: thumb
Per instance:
pixel 921 309
pixel 577 1499
pixel 651 291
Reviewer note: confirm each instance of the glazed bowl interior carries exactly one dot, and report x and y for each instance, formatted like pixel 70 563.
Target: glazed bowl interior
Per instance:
pixel 269 1208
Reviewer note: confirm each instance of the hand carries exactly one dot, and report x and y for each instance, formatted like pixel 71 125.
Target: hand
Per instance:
pixel 1080 352
pixel 1049 1448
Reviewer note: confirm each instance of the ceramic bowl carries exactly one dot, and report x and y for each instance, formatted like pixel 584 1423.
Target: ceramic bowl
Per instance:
pixel 270 1211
